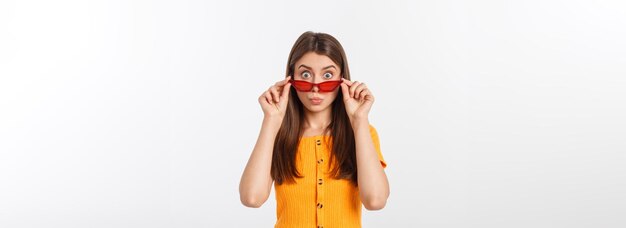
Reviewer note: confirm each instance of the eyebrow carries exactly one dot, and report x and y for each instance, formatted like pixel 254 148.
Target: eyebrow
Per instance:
pixel 305 66
pixel 308 67
pixel 329 67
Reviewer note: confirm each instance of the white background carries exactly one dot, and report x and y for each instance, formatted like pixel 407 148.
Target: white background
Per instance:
pixel 144 113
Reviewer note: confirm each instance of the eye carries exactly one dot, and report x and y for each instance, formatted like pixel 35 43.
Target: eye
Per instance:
pixel 328 75
pixel 306 74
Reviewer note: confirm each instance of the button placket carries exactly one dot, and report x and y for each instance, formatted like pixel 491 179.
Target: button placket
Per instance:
pixel 319 186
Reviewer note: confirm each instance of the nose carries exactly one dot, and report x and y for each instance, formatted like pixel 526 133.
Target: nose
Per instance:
pixel 315 88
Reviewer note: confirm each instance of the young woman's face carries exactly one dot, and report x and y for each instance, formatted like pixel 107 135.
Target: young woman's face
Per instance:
pixel 316 68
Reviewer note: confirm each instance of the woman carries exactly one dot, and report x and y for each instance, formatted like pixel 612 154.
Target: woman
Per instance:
pixel 313 140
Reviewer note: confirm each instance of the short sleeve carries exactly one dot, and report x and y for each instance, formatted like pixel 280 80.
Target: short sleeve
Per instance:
pixel 376 141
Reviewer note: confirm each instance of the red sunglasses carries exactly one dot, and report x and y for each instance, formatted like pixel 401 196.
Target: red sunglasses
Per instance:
pixel 304 86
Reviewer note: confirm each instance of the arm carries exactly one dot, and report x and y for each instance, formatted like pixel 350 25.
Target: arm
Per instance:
pixel 373 183
pixel 256 181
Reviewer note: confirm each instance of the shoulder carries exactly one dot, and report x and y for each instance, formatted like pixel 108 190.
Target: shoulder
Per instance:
pixel 376 142
pixel 373 130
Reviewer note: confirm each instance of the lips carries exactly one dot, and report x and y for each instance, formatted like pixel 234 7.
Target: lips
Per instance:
pixel 316 100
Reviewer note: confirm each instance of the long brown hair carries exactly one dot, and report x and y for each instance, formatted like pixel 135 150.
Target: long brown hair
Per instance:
pixel 343 153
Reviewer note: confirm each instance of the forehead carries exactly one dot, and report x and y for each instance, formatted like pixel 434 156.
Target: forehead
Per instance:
pixel 315 61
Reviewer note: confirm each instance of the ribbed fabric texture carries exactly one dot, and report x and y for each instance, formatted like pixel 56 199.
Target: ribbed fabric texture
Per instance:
pixel 317 199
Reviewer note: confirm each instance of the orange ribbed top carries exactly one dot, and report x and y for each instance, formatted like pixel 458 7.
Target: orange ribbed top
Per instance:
pixel 317 199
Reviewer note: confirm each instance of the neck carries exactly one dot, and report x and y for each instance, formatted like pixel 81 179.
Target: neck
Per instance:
pixel 317 120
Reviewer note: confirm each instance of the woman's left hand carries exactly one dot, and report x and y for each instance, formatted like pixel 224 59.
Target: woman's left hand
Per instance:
pixel 357 98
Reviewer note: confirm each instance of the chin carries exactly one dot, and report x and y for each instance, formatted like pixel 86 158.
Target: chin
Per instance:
pixel 316 108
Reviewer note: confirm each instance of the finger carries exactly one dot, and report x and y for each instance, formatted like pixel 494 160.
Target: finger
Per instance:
pixel 285 93
pixel 357 93
pixel 275 93
pixel 359 88
pixel 268 97
pixel 364 92
pixel 348 82
pixel 283 82
pixel 369 97
pixel 353 88
pixel 287 79
pixel 262 99
pixel 344 90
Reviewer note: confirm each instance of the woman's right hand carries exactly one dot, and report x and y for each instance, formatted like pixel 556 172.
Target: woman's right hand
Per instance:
pixel 274 100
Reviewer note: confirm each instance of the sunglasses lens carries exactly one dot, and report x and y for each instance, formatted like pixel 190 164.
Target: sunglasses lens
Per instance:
pixel 302 85
pixel 329 86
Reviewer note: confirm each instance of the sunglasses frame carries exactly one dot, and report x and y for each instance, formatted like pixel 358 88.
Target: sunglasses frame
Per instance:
pixel 311 85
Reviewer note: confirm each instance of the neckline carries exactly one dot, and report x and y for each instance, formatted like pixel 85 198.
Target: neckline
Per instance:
pixel 313 136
